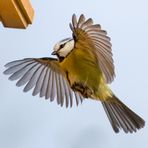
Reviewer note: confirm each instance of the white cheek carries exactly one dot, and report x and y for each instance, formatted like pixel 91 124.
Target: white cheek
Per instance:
pixel 64 51
pixel 67 48
pixel 70 45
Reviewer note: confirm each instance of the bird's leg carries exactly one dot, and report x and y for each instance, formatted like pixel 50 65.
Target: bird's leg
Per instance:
pixel 83 89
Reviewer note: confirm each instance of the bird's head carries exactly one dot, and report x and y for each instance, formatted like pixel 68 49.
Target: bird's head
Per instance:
pixel 63 48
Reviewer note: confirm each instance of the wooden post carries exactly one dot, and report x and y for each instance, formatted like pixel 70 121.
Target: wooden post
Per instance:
pixel 16 13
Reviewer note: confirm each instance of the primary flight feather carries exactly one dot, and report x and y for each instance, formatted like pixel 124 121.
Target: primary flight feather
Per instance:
pixel 83 69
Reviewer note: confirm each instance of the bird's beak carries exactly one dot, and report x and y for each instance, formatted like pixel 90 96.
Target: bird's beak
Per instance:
pixel 54 53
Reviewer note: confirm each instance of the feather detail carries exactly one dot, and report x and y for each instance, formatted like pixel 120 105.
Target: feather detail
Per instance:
pixel 92 38
pixel 45 77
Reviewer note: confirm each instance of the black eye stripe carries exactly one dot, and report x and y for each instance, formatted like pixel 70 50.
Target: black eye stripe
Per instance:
pixel 62 45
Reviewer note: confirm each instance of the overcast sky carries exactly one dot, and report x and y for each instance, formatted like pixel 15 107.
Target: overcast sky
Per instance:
pixel 31 122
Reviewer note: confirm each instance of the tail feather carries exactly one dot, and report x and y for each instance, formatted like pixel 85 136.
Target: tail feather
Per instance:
pixel 120 116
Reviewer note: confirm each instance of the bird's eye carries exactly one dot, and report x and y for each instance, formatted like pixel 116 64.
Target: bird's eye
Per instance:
pixel 62 45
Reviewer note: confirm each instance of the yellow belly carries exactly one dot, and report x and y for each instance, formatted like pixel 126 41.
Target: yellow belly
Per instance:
pixel 84 69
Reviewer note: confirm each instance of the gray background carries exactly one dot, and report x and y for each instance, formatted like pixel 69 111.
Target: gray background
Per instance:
pixel 31 122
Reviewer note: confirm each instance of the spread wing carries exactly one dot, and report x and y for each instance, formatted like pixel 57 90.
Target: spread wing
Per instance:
pixel 93 38
pixel 45 76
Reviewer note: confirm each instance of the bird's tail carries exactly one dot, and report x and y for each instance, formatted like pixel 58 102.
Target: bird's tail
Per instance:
pixel 120 116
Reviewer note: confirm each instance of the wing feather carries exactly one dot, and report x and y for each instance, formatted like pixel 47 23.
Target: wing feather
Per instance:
pixel 16 75
pixel 39 82
pixel 49 86
pixel 57 89
pixel 81 21
pixel 96 41
pixel 66 91
pixel 53 91
pixel 45 83
pixel 33 79
pixel 87 23
pixel 16 67
pixel 26 77
pixel 61 90
pixel 17 62
pixel 45 77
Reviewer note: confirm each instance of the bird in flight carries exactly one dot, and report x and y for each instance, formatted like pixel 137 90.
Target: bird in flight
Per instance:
pixel 83 69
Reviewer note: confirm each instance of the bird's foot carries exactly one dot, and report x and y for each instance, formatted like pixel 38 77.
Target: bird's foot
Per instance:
pixel 83 89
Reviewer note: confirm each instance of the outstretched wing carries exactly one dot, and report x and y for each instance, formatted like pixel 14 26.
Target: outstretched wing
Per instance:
pixel 45 76
pixel 94 39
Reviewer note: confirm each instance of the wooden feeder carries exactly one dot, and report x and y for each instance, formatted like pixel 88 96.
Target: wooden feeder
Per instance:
pixel 16 13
